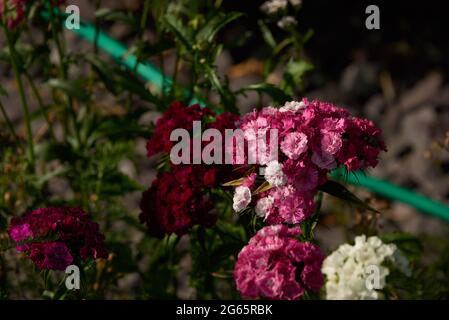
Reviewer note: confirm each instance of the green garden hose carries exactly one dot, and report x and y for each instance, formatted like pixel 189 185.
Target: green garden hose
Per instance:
pixel 152 74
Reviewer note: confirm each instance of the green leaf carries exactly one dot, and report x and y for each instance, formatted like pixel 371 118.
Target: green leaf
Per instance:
pixel 265 186
pixel 107 14
pixel 228 99
pixel 233 183
pixel 3 91
pixel 55 173
pixel 181 32
pixel 275 93
pixel 215 24
pixel 409 245
pixel 337 190
pixel 294 73
pixel 117 80
pixel 71 87
pixel 117 183
pixel 120 128
pixel 266 34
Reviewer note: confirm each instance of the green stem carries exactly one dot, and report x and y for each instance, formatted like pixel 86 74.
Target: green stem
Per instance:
pixel 146 10
pixel 175 76
pixel 41 104
pixel 64 67
pixel 97 26
pixel 26 111
pixel 8 122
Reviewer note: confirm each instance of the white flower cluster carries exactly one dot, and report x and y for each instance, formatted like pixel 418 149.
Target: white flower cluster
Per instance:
pixel 287 22
pixel 274 174
pixel 273 6
pixel 294 106
pixel 348 268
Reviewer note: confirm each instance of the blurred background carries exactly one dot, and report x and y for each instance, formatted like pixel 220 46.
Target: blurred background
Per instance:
pixel 396 76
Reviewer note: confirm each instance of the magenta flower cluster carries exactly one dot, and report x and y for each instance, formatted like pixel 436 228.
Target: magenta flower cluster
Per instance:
pixel 54 238
pixel 314 138
pixel 275 265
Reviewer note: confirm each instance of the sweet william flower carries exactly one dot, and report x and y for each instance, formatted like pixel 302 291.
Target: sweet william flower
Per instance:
pixel 288 205
pixel 274 174
pixel 54 237
pixel 275 265
pixel 242 197
pixel 249 180
pixel 315 137
pixel 177 199
pixel 294 144
pixel 51 255
pixel 264 206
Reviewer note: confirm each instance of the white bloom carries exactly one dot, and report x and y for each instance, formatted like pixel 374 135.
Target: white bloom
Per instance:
pixel 287 22
pixel 242 197
pixel 273 6
pixel 274 174
pixel 296 3
pixel 293 106
pixel 346 268
pixel 263 206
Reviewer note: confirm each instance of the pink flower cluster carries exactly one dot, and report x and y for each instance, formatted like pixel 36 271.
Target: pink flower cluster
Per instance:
pixel 53 238
pixel 275 265
pixel 314 138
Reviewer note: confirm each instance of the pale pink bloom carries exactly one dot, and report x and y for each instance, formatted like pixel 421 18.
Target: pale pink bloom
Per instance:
pixel 264 206
pixel 294 144
pixel 242 197
pixel 331 142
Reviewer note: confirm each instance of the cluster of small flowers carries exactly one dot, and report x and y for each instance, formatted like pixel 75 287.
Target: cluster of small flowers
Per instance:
pixel 315 137
pixel 273 7
pixel 177 199
pixel 12 12
pixel 53 238
pixel 275 265
pixel 346 268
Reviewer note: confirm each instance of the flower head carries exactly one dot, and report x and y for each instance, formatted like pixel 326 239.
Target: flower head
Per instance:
pixel 242 197
pixel 275 265
pixel 348 267
pixel 53 237
pixel 274 174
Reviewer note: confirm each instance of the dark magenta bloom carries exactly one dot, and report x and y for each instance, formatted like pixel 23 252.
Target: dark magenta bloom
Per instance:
pixel 54 237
